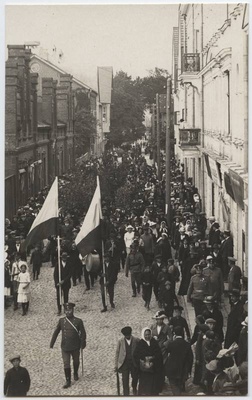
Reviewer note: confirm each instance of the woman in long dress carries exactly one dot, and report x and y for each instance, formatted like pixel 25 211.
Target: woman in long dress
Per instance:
pixel 148 352
pixel 24 288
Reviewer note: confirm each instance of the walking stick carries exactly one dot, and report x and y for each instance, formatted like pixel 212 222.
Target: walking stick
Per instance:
pixel 118 384
pixel 82 369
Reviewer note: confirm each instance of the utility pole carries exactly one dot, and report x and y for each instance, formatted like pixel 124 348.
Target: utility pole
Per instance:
pixel 158 137
pixel 168 154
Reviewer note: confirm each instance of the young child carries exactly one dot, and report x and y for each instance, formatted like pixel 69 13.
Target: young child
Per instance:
pixel 178 320
pixel 24 288
pixel 147 283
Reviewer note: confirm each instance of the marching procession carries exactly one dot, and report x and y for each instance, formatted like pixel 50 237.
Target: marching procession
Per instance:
pixel 129 254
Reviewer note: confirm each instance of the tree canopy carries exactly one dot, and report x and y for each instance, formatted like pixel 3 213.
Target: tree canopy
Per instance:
pixel 130 98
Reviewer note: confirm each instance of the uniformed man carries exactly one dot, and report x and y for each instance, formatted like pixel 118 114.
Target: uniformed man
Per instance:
pixel 198 288
pixel 73 339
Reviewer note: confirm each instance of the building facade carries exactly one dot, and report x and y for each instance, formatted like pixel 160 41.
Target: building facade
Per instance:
pixel 210 91
pixel 39 124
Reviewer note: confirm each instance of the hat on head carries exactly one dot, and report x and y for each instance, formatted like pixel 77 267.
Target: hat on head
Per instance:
pixel 235 292
pixel 126 331
pixel 210 334
pixel 158 256
pixel 209 300
pixel 232 260
pixel 203 262
pixel 245 322
pixel 159 315
pixel 210 321
pixel 68 306
pixel 212 218
pixel 200 266
pixel 64 254
pixel 216 225
pixel 227 232
pixel 15 357
pixel 129 227
pixel 209 258
pixel 179 308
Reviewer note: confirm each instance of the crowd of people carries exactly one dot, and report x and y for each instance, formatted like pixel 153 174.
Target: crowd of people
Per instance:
pixel 187 256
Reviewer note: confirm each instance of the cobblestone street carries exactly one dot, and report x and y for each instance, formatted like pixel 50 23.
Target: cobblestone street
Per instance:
pixel 30 336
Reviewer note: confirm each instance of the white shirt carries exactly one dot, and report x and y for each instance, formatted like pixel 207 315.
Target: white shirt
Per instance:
pixel 128 341
pixel 159 329
pixel 128 238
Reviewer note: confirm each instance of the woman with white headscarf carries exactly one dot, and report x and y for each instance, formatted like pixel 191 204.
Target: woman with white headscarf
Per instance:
pixel 148 357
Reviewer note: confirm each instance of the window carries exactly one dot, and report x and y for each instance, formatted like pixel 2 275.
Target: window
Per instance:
pixel 104 114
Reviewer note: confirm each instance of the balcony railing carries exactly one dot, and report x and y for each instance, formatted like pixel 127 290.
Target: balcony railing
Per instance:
pixel 191 62
pixel 189 137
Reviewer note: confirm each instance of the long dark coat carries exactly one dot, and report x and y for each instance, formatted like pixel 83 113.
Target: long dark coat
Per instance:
pixel 235 317
pixel 186 274
pixel 180 359
pixel 150 383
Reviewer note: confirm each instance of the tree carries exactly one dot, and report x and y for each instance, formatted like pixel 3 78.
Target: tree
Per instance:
pixel 126 111
pixel 85 128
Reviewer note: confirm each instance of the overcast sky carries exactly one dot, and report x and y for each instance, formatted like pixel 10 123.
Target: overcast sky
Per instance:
pixel 134 38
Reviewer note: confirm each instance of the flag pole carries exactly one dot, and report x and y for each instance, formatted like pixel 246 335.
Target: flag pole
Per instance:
pixel 104 274
pixel 58 245
pixel 103 263
pixel 60 292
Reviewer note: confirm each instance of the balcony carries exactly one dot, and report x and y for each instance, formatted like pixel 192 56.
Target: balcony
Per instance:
pixel 189 137
pixel 190 63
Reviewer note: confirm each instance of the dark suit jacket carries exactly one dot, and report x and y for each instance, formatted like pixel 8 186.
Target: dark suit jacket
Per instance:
pixel 180 359
pixel 226 249
pixel 234 278
pixel 235 317
pixel 66 273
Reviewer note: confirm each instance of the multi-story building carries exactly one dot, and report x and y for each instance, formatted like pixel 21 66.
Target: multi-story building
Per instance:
pixel 210 91
pixel 41 100
pixel 47 69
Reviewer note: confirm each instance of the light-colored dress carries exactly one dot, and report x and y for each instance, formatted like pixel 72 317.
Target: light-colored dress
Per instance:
pixel 23 290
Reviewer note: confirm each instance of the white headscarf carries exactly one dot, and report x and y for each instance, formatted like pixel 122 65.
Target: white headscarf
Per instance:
pixel 142 334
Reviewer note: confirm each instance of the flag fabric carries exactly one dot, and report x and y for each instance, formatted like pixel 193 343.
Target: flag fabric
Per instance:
pixel 45 224
pixel 89 238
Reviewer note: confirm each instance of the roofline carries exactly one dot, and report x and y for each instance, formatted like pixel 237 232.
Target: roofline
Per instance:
pixel 62 72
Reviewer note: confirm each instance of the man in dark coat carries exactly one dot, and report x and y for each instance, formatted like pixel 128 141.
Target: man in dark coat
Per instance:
pixel 242 353
pixel 234 275
pixel 179 362
pixel 36 261
pixel 75 262
pixel 226 250
pixel 235 318
pixel 111 272
pixel 64 283
pixel 73 339
pixel 124 362
pixel 211 310
pixel 17 379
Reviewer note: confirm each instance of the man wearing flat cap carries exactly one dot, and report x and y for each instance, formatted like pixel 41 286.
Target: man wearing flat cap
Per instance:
pixel 124 362
pixel 73 339
pixel 17 379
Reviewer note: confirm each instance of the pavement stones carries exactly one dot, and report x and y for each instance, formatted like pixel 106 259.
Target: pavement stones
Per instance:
pixel 30 336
